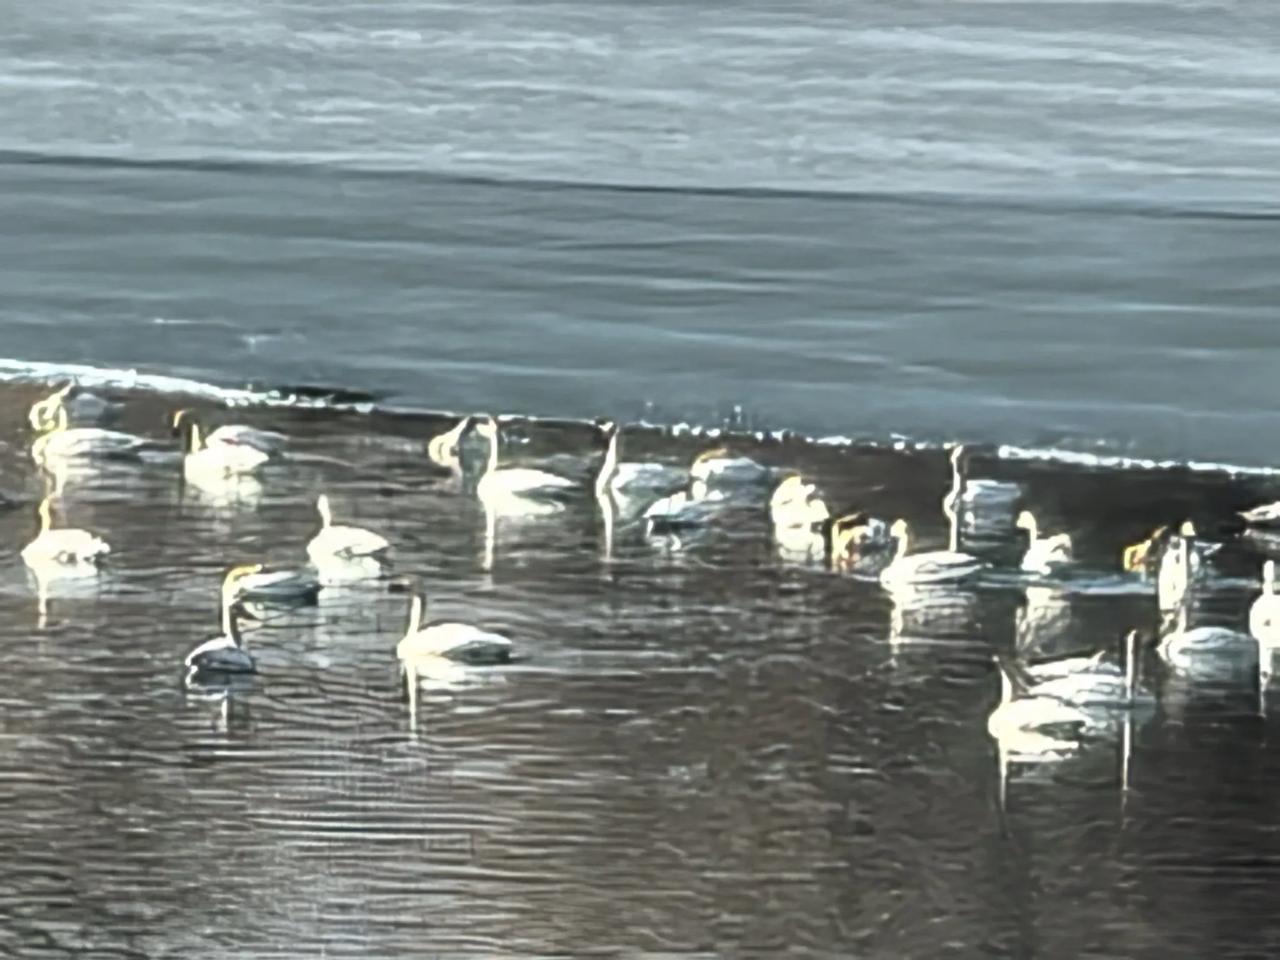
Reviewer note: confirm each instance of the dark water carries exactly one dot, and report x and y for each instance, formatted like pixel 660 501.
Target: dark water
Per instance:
pixel 705 749
pixel 1029 222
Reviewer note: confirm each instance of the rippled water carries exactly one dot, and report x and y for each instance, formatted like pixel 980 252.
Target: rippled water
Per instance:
pixel 705 748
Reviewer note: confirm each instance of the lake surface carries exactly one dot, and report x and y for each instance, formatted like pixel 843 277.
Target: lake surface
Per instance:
pixel 1047 225
pixel 707 746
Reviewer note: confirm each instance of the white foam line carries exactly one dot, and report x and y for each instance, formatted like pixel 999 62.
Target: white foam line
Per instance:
pixel 1106 461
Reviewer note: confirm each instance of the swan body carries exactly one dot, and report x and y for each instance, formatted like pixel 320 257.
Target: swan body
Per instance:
pixel 235 436
pixel 1044 554
pixel 688 508
pixel 1091 681
pixel 453 641
pixel 798 503
pixel 76 443
pixel 224 654
pixel 718 467
pixel 338 543
pixel 206 460
pixel 627 479
pixel 65 549
pixel 934 568
pixel 1030 713
pixel 1206 650
pixel 513 484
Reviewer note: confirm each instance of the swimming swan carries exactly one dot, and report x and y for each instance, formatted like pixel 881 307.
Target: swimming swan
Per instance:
pixel 65 549
pixel 1091 681
pixel 626 479
pixel 204 460
pixel 1022 710
pixel 342 543
pixel 224 654
pixel 1206 650
pixel 515 483
pixel 933 568
pixel 695 507
pixel 64 443
pixel 235 436
pixel 1044 554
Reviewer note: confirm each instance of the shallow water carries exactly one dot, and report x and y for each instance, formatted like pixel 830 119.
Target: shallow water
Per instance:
pixel 703 749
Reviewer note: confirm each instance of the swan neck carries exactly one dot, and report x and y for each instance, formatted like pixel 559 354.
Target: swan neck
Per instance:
pixel 609 466
pixel 230 628
pixel 45 513
pixel 415 617
pixel 493 450
pixel 1132 659
pixel 904 544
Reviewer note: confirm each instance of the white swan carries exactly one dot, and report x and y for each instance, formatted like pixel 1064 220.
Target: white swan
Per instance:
pixel 798 503
pixel 1091 681
pixel 1206 650
pixel 343 544
pixel 510 485
pixel 224 654
pixel 861 543
pixel 1144 556
pixel 66 549
pixel 695 507
pixel 634 479
pixel 68 443
pixel 425 649
pixel 719 467
pixel 1044 554
pixel 933 568
pixel 211 462
pixel 1021 711
pixel 80 406
pixel 234 435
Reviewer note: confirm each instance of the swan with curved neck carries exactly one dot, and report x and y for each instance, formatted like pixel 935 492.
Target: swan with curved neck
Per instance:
pixel 224 655
pixel 511 485
pixel 235 436
pixel 341 550
pixel 1044 554
pixel 935 568
pixel 63 549
pixel 445 448
pixel 633 480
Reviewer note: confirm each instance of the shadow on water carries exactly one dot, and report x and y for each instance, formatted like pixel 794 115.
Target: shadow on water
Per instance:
pixel 705 748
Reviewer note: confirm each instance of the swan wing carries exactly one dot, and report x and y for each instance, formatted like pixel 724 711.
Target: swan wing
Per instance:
pixel 238 435
pixel 347 542
pixel 648 477
pixel 525 482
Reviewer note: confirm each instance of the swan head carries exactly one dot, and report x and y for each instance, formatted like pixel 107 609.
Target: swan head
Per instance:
pixel 607 427
pixel 1026 521
pixel 179 417
pixel 235 574
pixel 901 533
pixel 1187 529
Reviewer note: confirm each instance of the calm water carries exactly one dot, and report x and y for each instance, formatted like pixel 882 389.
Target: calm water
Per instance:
pixel 705 749
pixel 1035 223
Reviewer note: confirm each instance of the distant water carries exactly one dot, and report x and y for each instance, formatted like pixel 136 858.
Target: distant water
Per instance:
pixel 1038 222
